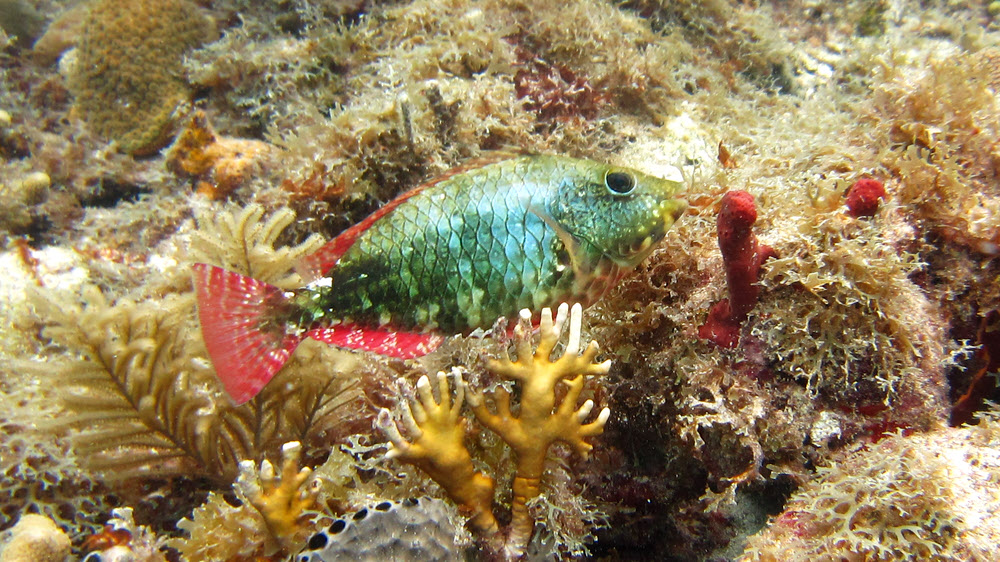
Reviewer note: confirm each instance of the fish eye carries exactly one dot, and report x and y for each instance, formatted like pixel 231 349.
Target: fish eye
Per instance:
pixel 621 183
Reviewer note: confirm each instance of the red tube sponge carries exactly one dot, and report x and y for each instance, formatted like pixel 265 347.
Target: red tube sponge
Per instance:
pixel 742 256
pixel 863 197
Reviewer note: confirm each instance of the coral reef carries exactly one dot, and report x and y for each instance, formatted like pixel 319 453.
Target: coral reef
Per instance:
pixel 877 316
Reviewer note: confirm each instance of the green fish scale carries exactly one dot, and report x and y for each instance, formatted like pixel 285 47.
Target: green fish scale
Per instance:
pixel 455 256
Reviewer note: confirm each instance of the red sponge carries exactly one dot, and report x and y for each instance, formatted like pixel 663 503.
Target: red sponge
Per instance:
pixel 864 196
pixel 742 256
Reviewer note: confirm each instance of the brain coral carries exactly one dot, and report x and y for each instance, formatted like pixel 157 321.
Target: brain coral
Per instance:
pixel 128 78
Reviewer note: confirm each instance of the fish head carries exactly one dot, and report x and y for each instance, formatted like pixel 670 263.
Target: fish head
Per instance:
pixel 614 212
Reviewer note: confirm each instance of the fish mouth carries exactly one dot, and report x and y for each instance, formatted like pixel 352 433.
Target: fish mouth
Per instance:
pixel 633 253
pixel 640 247
pixel 671 211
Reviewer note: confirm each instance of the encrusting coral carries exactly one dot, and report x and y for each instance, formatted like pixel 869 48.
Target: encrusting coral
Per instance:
pixel 127 77
pixel 217 165
pixel 930 496
pixel 437 431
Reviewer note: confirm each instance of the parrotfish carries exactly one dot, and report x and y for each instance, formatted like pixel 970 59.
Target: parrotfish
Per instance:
pixel 447 257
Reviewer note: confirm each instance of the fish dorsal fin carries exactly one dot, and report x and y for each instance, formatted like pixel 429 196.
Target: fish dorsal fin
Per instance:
pixel 404 345
pixel 319 263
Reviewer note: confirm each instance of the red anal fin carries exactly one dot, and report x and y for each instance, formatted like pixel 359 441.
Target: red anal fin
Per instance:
pixel 404 345
pixel 319 263
pixel 230 306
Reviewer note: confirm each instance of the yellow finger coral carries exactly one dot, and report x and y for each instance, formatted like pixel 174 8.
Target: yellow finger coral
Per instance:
pixel 271 518
pixel 437 447
pixel 537 426
pixel 281 499
pixel 437 431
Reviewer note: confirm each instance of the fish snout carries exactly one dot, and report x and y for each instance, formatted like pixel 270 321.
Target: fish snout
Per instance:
pixel 671 211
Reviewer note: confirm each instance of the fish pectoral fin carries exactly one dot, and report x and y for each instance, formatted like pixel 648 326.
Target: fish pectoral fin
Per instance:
pixel 384 341
pixel 569 241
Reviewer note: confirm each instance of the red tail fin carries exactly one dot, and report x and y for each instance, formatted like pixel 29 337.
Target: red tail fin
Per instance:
pixel 230 306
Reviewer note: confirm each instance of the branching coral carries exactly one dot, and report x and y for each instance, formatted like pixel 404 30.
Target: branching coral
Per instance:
pixel 438 431
pixel 272 518
pixel 282 500
pixel 540 422
pixel 243 242
pixel 437 446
